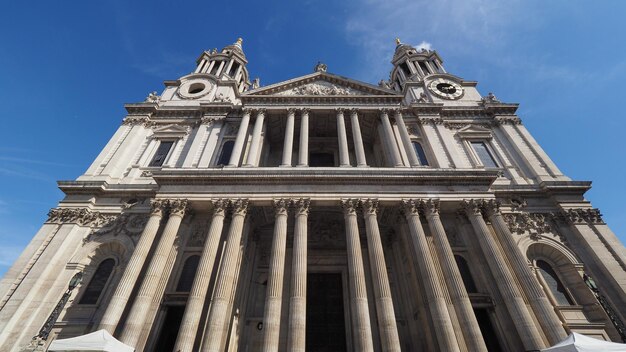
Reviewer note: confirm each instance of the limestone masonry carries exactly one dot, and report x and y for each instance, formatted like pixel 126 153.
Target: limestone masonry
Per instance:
pixel 319 214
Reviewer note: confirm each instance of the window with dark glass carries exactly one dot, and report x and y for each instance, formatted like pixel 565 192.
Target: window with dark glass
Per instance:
pixel 98 282
pixel 483 153
pixel 421 155
pixel 227 151
pixel 321 160
pixel 554 284
pixel 161 153
pixel 187 275
pixel 466 275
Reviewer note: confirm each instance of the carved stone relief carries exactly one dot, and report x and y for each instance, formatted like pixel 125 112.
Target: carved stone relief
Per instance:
pixel 320 88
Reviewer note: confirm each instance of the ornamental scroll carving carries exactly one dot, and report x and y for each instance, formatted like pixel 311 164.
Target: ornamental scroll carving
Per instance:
pixel 533 223
pixel 321 88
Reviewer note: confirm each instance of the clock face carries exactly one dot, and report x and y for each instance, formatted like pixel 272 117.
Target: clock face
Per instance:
pixel 446 89
pixel 194 89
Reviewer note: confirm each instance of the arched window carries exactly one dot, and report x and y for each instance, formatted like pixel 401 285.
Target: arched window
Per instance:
pixel 98 282
pixel 189 272
pixel 227 151
pixel 466 275
pixel 554 284
pixel 421 155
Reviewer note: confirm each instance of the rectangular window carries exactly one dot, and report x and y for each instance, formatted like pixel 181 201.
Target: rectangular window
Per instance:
pixel 227 151
pixel 421 155
pixel 161 153
pixel 483 153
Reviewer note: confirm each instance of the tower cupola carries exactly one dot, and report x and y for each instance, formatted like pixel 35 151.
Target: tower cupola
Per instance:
pixel 229 64
pixel 412 64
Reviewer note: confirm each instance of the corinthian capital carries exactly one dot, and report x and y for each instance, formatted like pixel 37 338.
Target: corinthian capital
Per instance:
pixel 472 206
pixel 302 206
pixel 430 206
pixel 491 207
pixel 370 206
pixel 178 206
pixel 281 206
pixel 409 207
pixel 239 206
pixel 349 206
pixel 157 206
pixel 219 206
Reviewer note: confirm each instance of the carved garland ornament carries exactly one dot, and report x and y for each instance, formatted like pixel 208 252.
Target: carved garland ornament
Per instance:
pixel 534 223
pixel 581 216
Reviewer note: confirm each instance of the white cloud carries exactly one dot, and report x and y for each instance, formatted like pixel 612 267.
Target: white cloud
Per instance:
pixel 461 25
pixel 424 45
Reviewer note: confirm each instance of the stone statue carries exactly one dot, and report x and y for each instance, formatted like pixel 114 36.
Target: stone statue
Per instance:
pixel 490 98
pixel 153 98
pixel 320 67
pixel 256 83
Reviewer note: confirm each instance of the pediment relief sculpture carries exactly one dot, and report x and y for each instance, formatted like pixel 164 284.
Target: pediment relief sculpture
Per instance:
pixel 321 88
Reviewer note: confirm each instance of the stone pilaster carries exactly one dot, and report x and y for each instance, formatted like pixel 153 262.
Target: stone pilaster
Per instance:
pixel 384 302
pixel 216 329
pixel 120 298
pixel 436 301
pixel 524 324
pixel 197 296
pixel 136 317
pixel 460 299
pixel 362 330
pixel 297 300
pixel 274 293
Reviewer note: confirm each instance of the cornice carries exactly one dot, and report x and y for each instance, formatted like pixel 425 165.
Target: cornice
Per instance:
pixel 282 176
pixel 101 187
pixel 322 99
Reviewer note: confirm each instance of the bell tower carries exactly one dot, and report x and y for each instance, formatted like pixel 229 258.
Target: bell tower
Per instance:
pixel 227 65
pixel 412 64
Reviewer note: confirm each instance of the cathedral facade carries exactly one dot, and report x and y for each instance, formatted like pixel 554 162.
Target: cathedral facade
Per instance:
pixel 319 214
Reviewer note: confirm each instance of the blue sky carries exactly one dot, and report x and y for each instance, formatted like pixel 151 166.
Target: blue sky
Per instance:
pixel 67 68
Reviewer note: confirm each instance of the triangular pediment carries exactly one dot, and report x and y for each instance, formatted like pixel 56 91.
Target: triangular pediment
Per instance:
pixel 321 84
pixel 474 131
pixel 170 131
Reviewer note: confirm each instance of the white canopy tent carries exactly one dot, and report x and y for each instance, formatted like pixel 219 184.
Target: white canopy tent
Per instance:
pixel 581 343
pixel 99 340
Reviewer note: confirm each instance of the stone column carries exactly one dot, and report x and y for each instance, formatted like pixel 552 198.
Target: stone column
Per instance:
pixel 406 139
pixel 344 158
pixel 356 275
pixel 136 317
pixel 436 301
pixel 304 138
pixel 384 303
pixel 524 324
pixel 240 140
pixel 460 299
pixel 357 138
pixel 288 144
pixel 547 317
pixel 390 139
pixel 130 277
pixel 197 296
pixel 216 330
pixel 297 300
pixel 255 146
pixel 274 293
